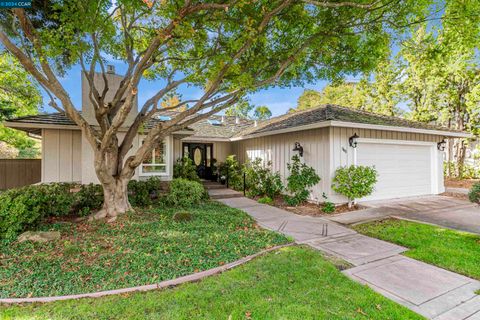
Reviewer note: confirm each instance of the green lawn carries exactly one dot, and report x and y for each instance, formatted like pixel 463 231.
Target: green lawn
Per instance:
pixel 453 250
pixel 292 283
pixel 141 248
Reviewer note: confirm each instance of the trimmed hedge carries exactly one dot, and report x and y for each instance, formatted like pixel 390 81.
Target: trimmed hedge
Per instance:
pixel 185 193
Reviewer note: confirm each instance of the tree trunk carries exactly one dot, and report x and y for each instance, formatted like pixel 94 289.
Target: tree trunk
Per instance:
pixel 115 200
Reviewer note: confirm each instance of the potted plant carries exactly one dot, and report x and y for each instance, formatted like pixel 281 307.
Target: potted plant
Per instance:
pixel 214 170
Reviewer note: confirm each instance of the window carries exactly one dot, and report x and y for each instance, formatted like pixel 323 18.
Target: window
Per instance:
pixel 156 163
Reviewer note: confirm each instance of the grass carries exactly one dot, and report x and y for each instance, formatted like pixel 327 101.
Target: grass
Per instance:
pixel 141 248
pixel 449 249
pixel 292 283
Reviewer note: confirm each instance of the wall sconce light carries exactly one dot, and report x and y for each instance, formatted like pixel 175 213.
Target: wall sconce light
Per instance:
pixel 298 147
pixel 441 145
pixel 353 140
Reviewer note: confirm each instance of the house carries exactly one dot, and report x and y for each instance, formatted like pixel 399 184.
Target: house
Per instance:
pixel 407 155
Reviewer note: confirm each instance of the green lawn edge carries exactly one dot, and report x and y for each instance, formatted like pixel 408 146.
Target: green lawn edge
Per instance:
pixel 449 249
pixel 294 282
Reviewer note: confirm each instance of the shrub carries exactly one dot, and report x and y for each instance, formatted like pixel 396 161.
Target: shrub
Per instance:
pixel 89 198
pixel 233 170
pixel 301 179
pixel 354 182
pixel 141 192
pixel 185 169
pixel 265 200
pixel 327 206
pixel 261 180
pixel 185 193
pixel 26 207
pixel 474 193
pixel 182 216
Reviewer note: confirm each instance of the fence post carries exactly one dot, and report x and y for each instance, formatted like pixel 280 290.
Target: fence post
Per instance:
pixel 227 175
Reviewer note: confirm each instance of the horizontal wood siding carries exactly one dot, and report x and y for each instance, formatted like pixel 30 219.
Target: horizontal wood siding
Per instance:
pixel 279 150
pixel 16 173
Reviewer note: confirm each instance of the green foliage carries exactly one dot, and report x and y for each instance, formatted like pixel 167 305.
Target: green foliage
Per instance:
pixel 465 171
pixel 144 247
pixel 88 199
pixel 354 182
pixel 26 207
pixel 260 179
pixel 327 206
pixel 185 169
pixel 265 200
pixel 474 193
pixel 141 193
pixel 182 216
pixel 185 193
pixel 301 179
pixel 262 113
pixel 233 170
pixel 273 286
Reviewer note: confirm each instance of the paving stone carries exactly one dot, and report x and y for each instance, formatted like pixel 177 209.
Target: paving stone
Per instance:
pixel 358 249
pixel 239 203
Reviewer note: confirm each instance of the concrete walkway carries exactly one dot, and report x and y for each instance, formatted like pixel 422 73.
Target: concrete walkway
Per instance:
pixel 440 210
pixel 430 291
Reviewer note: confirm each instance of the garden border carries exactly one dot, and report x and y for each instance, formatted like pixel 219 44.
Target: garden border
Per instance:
pixel 161 285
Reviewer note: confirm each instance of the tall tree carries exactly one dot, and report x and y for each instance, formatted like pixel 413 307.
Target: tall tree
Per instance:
pixel 262 113
pixel 19 96
pixel 227 48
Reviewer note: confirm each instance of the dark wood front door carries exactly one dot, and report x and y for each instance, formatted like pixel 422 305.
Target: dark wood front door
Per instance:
pixel 201 155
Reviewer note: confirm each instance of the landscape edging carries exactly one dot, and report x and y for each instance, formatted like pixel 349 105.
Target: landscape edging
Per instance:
pixel 161 285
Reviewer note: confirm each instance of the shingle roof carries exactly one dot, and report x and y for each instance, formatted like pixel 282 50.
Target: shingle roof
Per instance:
pixel 229 128
pixel 331 112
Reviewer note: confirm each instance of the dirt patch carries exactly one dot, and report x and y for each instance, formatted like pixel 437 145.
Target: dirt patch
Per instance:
pixel 313 209
pixel 460 183
pixel 455 195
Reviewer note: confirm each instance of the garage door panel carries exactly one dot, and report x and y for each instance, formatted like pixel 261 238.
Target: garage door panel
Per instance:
pixel 403 170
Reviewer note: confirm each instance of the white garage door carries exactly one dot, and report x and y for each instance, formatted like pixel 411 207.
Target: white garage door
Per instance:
pixel 403 170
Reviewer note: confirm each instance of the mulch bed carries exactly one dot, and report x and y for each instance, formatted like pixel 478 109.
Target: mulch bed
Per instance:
pixel 313 209
pixel 460 183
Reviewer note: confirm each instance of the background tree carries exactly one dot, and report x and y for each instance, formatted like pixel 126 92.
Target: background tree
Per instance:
pixel 228 49
pixel 19 96
pixel 262 113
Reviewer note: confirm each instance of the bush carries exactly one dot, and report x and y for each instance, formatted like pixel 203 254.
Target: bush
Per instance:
pixel 265 200
pixel 141 193
pixel 301 179
pixel 474 193
pixel 354 182
pixel 327 206
pixel 185 169
pixel 182 216
pixel 89 198
pixel 261 180
pixel 26 207
pixel 233 170
pixel 185 193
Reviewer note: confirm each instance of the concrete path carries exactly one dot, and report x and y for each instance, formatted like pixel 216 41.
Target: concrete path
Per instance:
pixel 440 210
pixel 430 291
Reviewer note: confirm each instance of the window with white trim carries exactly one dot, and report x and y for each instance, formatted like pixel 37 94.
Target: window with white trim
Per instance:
pixel 156 163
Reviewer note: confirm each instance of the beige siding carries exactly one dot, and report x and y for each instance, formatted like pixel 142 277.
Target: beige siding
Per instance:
pixel 61 158
pixel 278 149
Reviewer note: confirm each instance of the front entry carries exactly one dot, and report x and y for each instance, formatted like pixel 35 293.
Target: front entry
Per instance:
pixel 201 155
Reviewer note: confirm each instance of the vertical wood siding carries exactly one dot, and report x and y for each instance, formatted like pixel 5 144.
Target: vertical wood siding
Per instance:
pixel 61 155
pixel 16 173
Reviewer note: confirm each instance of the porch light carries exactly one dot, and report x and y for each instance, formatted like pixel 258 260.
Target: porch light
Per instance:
pixel 298 147
pixel 441 145
pixel 353 140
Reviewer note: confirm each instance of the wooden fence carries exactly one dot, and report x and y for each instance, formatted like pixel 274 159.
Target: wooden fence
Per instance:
pixel 16 173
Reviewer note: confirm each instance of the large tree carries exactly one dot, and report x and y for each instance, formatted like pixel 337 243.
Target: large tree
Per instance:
pixel 227 48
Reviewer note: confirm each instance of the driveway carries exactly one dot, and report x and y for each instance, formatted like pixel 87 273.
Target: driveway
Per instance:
pixel 440 210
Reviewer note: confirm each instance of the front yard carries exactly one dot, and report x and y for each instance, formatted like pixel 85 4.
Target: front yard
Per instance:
pixel 292 283
pixel 141 248
pixel 449 249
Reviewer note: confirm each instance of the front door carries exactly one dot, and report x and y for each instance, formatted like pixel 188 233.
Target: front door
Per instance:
pixel 201 155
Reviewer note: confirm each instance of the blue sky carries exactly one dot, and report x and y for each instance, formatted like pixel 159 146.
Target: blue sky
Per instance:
pixel 279 100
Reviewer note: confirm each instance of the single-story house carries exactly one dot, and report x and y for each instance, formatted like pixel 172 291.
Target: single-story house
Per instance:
pixel 407 155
